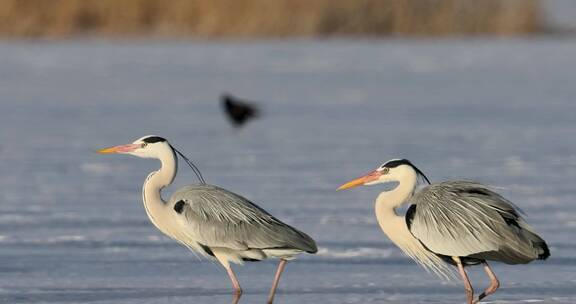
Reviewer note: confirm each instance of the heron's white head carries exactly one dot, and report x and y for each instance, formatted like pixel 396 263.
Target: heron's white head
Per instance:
pixel 150 146
pixel 396 170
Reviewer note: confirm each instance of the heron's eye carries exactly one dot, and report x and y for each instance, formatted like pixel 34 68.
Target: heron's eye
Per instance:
pixel 143 145
pixel 385 170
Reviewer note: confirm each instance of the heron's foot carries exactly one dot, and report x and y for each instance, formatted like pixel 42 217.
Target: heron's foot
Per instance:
pixel 490 290
pixel 494 285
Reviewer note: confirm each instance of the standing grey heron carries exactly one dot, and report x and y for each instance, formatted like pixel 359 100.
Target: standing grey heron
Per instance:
pixel 458 222
pixel 213 221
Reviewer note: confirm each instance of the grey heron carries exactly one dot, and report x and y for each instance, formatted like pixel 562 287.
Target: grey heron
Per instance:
pixel 461 223
pixel 211 220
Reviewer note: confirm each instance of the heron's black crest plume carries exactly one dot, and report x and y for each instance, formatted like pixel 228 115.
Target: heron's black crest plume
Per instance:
pixel 238 111
pixel 191 165
pixel 397 162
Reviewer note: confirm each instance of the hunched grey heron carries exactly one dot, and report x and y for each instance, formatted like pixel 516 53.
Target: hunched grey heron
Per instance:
pixel 456 222
pixel 213 221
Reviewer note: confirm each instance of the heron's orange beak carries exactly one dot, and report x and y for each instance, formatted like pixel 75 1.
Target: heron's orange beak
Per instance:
pixel 372 176
pixel 119 149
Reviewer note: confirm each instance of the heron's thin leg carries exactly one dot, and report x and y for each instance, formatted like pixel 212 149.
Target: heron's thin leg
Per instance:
pixel 467 284
pixel 223 259
pixel 494 283
pixel 281 267
pixel 236 298
pixel 235 283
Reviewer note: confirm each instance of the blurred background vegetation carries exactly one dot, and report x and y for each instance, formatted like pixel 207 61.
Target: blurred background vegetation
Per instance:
pixel 267 18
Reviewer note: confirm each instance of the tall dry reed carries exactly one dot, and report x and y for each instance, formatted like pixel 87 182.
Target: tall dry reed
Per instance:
pixel 265 18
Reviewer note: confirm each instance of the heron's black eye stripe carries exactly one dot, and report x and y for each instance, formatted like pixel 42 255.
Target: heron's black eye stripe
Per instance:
pixel 397 162
pixel 153 139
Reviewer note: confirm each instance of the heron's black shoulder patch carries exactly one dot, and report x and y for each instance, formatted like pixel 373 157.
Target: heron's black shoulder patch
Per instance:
pixel 206 249
pixel 410 215
pixel 179 206
pixel 153 139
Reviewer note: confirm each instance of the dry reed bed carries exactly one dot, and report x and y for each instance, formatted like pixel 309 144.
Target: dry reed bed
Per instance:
pixel 265 18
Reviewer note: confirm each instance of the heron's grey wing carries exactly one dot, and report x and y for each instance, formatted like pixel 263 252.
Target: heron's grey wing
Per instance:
pixel 216 217
pixel 460 218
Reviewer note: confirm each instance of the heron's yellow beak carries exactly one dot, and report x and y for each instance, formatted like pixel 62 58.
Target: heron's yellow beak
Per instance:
pixel 107 150
pixel 372 176
pixel 119 149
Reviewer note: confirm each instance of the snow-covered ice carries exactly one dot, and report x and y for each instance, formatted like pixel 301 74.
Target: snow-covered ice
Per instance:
pixel 72 225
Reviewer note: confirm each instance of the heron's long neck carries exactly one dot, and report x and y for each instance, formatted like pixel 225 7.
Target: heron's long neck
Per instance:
pixel 151 192
pixel 394 225
pixel 388 201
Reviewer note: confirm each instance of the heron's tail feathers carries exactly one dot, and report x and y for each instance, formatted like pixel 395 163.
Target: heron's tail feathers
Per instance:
pixel 545 251
pixel 539 246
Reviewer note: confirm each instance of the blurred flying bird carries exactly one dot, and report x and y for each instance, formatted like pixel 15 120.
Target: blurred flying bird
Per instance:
pixel 456 222
pixel 237 110
pixel 213 221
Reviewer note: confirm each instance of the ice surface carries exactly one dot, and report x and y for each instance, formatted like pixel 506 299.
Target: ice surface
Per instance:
pixel 72 226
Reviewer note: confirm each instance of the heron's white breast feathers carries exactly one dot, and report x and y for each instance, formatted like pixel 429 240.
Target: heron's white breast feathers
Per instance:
pixel 395 228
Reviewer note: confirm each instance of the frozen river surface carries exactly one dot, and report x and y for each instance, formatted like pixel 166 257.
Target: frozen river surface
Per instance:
pixel 72 225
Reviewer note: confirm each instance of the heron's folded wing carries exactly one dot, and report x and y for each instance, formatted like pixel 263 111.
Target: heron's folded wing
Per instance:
pixel 461 218
pixel 216 217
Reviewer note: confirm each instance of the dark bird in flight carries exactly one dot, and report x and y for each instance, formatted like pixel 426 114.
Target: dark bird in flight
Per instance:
pixel 237 110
